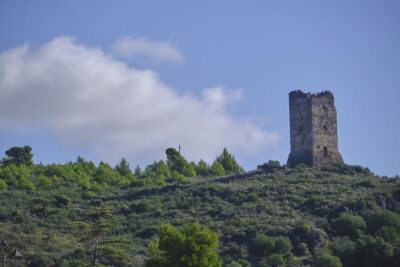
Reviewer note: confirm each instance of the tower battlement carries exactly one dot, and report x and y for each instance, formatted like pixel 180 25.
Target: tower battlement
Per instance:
pixel 313 129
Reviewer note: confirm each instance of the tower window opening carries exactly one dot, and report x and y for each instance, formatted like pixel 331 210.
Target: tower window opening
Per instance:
pixel 325 130
pixel 325 110
pixel 325 151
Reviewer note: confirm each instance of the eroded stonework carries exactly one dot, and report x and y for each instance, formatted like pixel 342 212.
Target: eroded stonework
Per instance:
pixel 313 129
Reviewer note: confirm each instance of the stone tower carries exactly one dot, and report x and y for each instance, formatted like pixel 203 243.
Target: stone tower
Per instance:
pixel 313 129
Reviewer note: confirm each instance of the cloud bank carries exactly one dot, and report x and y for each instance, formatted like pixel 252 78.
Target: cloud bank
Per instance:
pixel 86 98
pixel 129 47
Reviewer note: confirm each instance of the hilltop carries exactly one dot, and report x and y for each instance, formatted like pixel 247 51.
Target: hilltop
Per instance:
pixel 273 216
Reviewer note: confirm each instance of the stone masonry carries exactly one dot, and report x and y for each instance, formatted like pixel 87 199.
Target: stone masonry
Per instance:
pixel 313 129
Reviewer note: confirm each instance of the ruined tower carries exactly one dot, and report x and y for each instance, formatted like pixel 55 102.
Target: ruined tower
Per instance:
pixel 313 129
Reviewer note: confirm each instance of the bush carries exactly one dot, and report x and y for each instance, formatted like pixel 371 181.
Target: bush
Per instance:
pixel 379 219
pixel 229 163
pixel 345 248
pixel 263 245
pixel 270 166
pixel 326 260
pixel 3 185
pixel 348 225
pixel 193 246
pixel 373 252
pixel 282 245
pixel 217 169
pixel 301 249
pixel 202 168
pixel 276 260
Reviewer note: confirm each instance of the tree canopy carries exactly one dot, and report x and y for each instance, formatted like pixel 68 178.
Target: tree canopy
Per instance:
pixel 193 246
pixel 18 155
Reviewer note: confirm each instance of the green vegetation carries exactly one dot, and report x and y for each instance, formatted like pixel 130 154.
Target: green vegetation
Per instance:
pixel 193 246
pixel 178 213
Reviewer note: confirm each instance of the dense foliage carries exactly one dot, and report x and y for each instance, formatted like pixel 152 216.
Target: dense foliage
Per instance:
pixel 82 214
pixel 194 246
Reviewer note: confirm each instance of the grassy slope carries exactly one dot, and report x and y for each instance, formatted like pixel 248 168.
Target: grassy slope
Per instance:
pixel 237 207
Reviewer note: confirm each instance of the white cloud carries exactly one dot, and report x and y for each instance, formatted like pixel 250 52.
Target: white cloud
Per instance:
pixel 88 99
pixel 129 47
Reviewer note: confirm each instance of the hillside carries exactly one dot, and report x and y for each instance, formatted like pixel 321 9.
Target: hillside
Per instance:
pixel 300 205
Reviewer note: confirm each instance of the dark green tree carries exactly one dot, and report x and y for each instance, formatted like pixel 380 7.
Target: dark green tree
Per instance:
pixel 158 169
pixel 217 169
pixel 105 175
pixel 138 171
pixel 263 245
pixel 193 246
pixel 379 219
pixel 18 155
pixel 123 168
pixel 229 163
pixel 97 234
pixel 371 251
pixel 348 225
pixel 202 168
pixel 326 260
pixel 176 162
pixel 282 245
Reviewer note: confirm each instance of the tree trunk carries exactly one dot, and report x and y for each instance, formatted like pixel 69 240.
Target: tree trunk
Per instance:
pixel 95 252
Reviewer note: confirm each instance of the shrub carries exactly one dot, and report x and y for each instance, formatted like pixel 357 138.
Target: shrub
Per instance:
pixel 270 166
pixel 229 163
pixel 217 169
pixel 276 260
pixel 373 252
pixel 348 225
pixel 345 248
pixel 192 246
pixel 326 260
pixel 263 245
pixel 379 219
pixel 3 185
pixel 282 245
pixel 301 249
pixel 202 168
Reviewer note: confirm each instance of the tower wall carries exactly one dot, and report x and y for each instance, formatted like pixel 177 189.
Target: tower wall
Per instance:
pixel 313 129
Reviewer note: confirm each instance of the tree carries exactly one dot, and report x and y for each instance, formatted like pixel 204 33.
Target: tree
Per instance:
pixel 345 249
pixel 193 246
pixel 138 171
pixel 18 176
pixel 348 225
pixel 98 234
pixel 276 260
pixel 176 162
pixel 373 251
pixel 105 175
pixel 202 168
pixel 158 169
pixel 379 219
pixel 270 166
pixel 229 163
pixel 123 168
pixel 80 160
pixel 282 245
pixel 217 169
pixel 18 155
pixel 3 185
pixel 326 260
pixel 263 245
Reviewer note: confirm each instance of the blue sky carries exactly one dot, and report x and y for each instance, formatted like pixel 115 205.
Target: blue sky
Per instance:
pixel 224 65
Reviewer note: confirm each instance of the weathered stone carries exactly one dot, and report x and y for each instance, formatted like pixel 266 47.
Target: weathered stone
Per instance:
pixel 313 129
